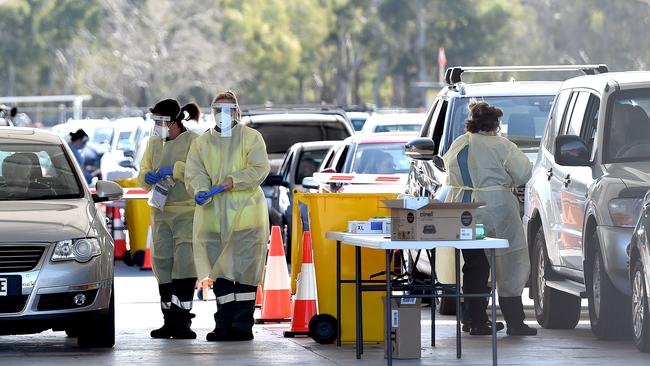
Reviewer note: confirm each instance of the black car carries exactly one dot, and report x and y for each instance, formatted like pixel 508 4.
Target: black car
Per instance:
pixel 639 270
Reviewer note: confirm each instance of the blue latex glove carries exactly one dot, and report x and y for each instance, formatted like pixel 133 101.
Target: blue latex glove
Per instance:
pixel 151 178
pixel 201 198
pixel 166 170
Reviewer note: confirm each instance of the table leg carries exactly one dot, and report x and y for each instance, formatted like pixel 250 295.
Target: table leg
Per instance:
pixel 359 300
pixel 494 305
pixel 389 325
pixel 338 293
pixel 432 264
pixel 457 265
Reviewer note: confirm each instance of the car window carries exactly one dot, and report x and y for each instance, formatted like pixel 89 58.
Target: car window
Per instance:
pixel 523 122
pixel 279 137
pixel 430 124
pixel 124 141
pixel 440 126
pixel 286 165
pixel 398 128
pixel 380 159
pixel 578 114
pixel 340 158
pixel 308 163
pixel 628 126
pixel 357 123
pixel 588 132
pixel 34 171
pixel 556 119
pixel 102 135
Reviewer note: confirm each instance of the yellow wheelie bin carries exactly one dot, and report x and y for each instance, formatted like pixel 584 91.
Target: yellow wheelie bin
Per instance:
pixel 331 212
pixel 138 216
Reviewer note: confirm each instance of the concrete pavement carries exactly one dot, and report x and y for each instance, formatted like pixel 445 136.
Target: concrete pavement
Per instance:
pixel 138 312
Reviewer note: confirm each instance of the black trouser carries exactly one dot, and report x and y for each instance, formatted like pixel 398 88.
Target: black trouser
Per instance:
pixel 235 305
pixel 176 301
pixel 476 272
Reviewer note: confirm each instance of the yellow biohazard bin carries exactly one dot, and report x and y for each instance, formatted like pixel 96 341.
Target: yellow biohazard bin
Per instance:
pixel 331 212
pixel 138 216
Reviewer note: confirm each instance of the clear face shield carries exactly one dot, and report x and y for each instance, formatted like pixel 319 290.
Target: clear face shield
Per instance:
pixel 161 126
pixel 223 115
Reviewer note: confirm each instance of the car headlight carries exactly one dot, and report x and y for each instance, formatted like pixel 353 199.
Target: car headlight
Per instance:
pixel 625 211
pixel 80 250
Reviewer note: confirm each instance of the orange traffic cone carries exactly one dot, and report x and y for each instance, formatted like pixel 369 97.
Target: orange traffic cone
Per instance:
pixel 276 305
pixel 119 239
pixel 259 297
pixel 146 265
pixel 305 305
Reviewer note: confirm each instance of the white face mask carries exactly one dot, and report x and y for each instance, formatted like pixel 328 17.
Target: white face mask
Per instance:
pixel 160 128
pixel 222 116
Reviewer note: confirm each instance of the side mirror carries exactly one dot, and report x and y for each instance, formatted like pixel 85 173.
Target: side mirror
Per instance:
pixel 107 191
pixel 275 180
pixel 420 149
pixel 129 154
pixel 571 151
pixel 309 183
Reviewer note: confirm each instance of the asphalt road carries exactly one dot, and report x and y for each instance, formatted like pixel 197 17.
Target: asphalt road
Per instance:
pixel 138 312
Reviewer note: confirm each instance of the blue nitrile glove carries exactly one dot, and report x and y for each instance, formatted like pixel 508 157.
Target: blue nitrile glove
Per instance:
pixel 151 178
pixel 201 198
pixel 166 170
pixel 216 190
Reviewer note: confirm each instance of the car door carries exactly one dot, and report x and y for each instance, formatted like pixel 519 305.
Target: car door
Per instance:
pixel 545 186
pixel 575 181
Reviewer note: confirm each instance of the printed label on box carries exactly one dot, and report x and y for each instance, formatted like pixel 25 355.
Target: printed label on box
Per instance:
pixel 394 319
pixel 466 234
pixel 408 300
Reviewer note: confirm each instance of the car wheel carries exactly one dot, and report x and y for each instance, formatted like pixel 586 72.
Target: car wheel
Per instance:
pixel 609 310
pixel 553 309
pixel 99 331
pixel 640 312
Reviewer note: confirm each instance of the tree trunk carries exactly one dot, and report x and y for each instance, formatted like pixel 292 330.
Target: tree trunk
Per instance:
pixel 380 75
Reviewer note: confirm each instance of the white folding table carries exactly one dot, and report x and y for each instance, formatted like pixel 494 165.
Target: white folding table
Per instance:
pixel 383 242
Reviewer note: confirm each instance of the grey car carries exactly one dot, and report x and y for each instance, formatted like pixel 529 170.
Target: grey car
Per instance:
pixel 56 256
pixel 584 200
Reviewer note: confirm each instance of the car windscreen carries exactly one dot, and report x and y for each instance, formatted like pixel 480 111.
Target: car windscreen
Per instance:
pixel 358 123
pixel 628 126
pixel 386 158
pixel 309 163
pixel 523 122
pixel 102 135
pixel 398 128
pixel 36 172
pixel 279 137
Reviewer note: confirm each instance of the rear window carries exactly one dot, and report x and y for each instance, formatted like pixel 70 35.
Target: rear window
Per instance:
pixel 279 137
pixel 398 128
pixel 380 159
pixel 34 172
pixel 358 123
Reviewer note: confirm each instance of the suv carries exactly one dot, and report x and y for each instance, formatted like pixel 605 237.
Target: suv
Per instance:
pixel 56 256
pixel 525 105
pixel 584 200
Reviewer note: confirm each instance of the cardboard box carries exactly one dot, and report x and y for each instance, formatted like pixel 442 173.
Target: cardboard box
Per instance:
pixel 405 328
pixel 372 226
pixel 434 221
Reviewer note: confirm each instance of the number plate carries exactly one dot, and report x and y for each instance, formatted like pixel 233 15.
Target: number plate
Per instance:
pixel 11 285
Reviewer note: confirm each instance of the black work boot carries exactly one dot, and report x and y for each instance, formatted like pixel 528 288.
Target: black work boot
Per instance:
pixel 243 315
pixel 163 332
pixel 224 291
pixel 183 293
pixel 512 309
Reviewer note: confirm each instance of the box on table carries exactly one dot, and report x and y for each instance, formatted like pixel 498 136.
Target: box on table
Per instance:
pixel 432 221
pixel 405 328
pixel 372 226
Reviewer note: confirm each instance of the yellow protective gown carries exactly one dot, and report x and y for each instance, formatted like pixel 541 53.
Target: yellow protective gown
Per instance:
pixel 171 251
pixel 231 230
pixel 496 166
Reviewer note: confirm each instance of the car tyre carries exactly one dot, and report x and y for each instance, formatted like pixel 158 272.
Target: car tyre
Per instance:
pixel 553 309
pixel 609 309
pixel 99 331
pixel 640 311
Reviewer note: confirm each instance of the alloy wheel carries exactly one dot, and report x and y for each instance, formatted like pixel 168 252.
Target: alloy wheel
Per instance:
pixel 638 304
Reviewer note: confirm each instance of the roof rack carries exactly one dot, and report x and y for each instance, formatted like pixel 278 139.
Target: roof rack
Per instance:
pixel 453 74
